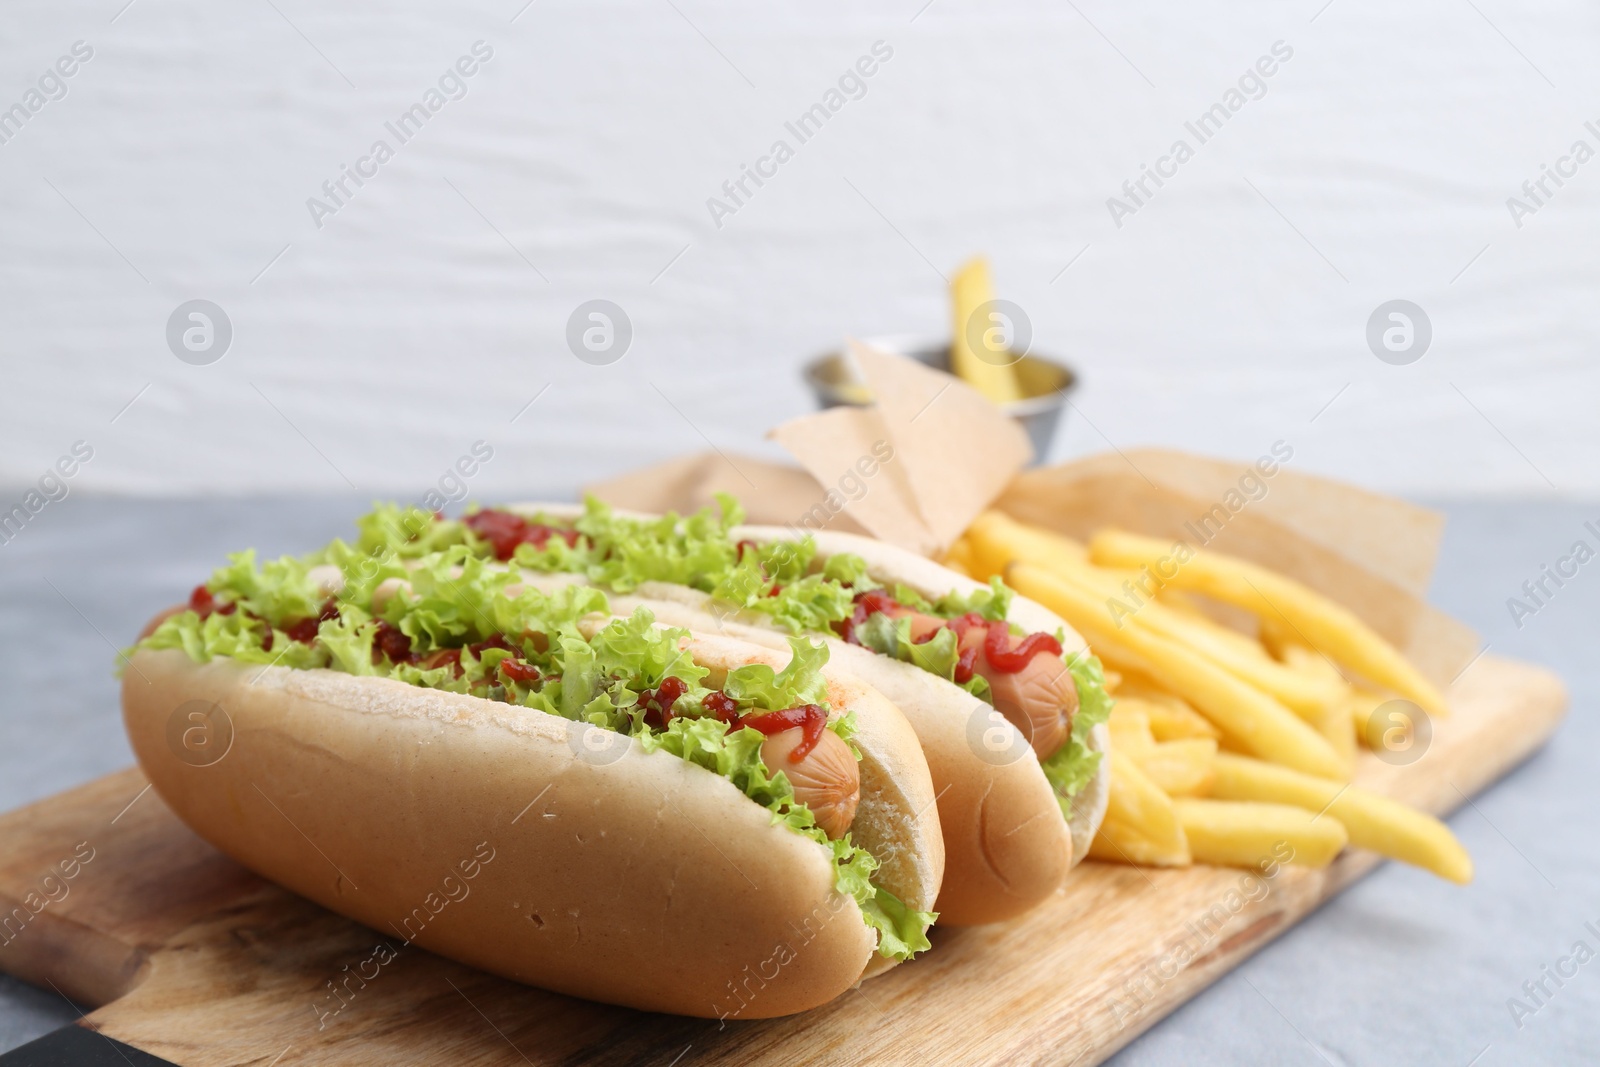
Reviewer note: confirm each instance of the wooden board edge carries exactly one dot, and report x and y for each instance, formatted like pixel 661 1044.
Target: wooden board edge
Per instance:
pixel 1353 865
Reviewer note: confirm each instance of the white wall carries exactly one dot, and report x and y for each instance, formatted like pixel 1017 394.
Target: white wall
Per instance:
pixel 432 307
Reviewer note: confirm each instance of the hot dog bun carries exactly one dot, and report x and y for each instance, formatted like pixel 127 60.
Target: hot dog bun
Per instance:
pixel 1008 847
pixel 633 878
pixel 886 562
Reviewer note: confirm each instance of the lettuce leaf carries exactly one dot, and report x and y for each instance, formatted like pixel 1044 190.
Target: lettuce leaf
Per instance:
pixel 683 550
pixel 235 636
pixel 902 932
pixel 391 531
pixel 846 568
pixel 279 590
pixel 799 683
pixel 993 603
pixel 348 641
pixel 810 605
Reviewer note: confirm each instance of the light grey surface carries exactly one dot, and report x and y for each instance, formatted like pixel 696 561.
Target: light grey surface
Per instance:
pixel 1402 968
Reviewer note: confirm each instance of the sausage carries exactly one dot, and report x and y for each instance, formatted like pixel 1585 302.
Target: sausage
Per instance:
pixel 329 578
pixel 826 780
pixel 386 589
pixel 1040 699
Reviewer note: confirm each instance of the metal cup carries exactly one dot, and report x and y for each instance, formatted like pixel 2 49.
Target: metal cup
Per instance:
pixel 1045 384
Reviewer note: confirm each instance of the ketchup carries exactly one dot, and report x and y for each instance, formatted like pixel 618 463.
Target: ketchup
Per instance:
pixel 305 630
pixel 390 642
pixel 497 641
pixel 203 604
pixel 657 703
pixel 1012 660
pixel 517 671
pixel 505 530
pixel 811 719
pixel 444 657
pixel 723 707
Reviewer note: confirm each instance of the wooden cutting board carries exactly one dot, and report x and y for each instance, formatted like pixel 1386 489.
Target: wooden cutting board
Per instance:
pixel 188 956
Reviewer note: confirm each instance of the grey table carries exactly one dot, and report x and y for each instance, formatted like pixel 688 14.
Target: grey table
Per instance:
pixel 1402 968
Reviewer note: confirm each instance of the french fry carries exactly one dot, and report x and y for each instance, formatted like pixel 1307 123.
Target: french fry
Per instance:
pixel 1163 706
pixel 1243 645
pixel 1375 822
pixel 1130 729
pixel 1276 635
pixel 1241 656
pixel 1333 720
pixel 1205 714
pixel 970 290
pixel 1229 744
pixel 1178 768
pixel 1170 718
pixel 1139 804
pixel 1325 625
pixel 1232 833
pixel 1262 725
pixel 1181 768
pixel 999 539
pixel 1361 704
pixel 1178 600
pixel 1116 842
pixel 1335 723
pixel 995 540
pixel 1309 662
pixel 1246 660
pixel 1135 683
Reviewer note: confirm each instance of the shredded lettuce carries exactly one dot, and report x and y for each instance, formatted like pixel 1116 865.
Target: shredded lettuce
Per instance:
pixel 781 579
pixel 993 603
pixel 236 636
pixel 406 533
pixel 278 590
pixel 454 602
pixel 620 552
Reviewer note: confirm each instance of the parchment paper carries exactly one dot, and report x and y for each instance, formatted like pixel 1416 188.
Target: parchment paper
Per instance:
pixel 773 494
pixel 914 470
pixel 953 450
pixel 952 454
pixel 1371 553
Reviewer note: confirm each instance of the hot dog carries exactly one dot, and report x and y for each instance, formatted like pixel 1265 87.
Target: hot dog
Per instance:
pixel 1006 701
pixel 665 811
